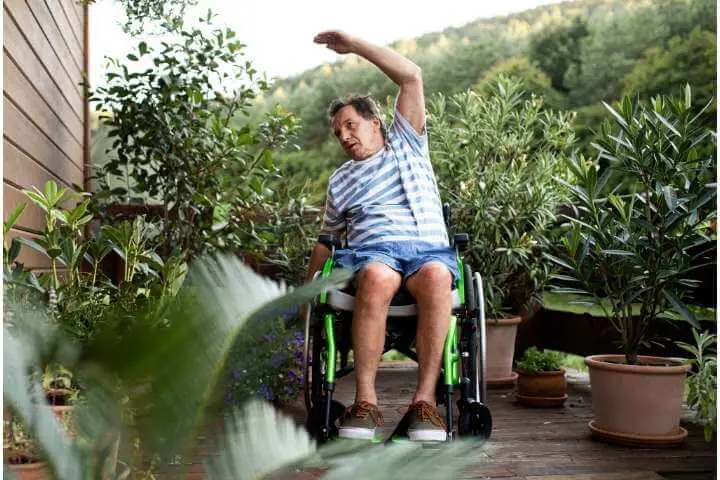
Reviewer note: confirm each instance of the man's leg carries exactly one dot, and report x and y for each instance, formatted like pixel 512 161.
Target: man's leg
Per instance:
pixel 377 284
pixel 431 286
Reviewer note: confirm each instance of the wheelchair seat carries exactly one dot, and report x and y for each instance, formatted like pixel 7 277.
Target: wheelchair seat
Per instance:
pixel 402 304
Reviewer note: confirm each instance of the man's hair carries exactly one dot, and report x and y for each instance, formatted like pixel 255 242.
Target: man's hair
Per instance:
pixel 364 105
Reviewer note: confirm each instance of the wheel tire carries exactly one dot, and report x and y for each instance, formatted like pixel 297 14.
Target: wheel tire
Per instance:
pixel 316 416
pixel 474 421
pixel 470 297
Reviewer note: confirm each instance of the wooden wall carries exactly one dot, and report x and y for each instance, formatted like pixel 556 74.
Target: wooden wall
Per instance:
pixel 45 134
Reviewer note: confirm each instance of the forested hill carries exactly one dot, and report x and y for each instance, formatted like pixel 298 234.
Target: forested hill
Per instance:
pixel 575 54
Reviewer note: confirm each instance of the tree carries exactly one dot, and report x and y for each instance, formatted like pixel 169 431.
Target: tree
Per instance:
pixel 686 59
pixel 557 49
pixel 523 70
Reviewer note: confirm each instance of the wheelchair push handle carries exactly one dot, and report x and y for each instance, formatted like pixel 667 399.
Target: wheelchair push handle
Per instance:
pixel 329 241
pixel 447 214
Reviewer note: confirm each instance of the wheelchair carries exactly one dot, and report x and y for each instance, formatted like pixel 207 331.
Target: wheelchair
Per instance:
pixel 328 342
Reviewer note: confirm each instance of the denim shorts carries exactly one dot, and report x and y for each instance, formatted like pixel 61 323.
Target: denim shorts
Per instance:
pixel 405 257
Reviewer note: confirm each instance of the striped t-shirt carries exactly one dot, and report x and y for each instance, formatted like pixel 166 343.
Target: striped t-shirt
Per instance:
pixel 389 197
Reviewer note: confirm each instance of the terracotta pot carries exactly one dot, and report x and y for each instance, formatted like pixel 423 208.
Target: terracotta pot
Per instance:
pixel 637 404
pixel 27 471
pixel 500 350
pixel 542 389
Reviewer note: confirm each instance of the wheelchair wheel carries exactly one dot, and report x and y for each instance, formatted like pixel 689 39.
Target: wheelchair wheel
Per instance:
pixel 318 395
pixel 470 297
pixel 474 420
pixel 316 416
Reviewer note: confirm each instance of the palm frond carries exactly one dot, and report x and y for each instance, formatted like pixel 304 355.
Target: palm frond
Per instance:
pixel 258 441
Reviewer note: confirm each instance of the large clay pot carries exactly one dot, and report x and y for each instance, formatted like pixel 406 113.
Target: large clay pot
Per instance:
pixel 500 350
pixel 542 389
pixel 637 404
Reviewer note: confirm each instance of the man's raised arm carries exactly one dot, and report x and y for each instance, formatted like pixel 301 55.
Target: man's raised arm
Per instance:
pixel 403 72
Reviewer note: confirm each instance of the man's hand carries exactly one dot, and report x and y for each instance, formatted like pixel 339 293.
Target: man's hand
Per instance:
pixel 336 40
pixel 403 72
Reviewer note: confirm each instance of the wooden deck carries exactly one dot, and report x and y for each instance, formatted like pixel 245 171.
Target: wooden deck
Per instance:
pixel 555 444
pixel 533 444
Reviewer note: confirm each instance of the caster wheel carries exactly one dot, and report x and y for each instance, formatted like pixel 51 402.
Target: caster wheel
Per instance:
pixel 314 423
pixel 475 420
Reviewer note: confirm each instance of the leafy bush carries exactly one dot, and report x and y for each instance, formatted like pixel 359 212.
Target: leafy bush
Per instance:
pixel 688 59
pixel 179 138
pixel 701 385
pixel 534 360
pixel 495 156
pixel 625 252
pixel 523 70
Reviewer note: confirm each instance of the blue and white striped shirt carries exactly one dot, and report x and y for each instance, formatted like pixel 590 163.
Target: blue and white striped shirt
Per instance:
pixel 389 197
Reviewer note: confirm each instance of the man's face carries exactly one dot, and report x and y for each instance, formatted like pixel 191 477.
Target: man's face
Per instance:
pixel 358 136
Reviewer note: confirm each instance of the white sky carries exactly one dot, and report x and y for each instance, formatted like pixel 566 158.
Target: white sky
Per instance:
pixel 279 34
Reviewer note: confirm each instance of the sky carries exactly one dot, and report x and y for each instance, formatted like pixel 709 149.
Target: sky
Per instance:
pixel 279 34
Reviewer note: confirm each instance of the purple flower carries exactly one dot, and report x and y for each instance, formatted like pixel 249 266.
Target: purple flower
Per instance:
pixel 277 360
pixel 299 354
pixel 265 392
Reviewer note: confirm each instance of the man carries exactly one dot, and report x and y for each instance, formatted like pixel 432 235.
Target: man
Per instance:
pixel 385 199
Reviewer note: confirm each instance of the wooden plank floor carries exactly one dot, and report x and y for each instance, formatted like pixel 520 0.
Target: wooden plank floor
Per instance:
pixel 555 444
pixel 529 443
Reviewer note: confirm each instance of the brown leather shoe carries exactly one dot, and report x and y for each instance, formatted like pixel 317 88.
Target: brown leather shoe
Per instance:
pixel 360 421
pixel 424 423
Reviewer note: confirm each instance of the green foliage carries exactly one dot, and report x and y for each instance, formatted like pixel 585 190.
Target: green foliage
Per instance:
pixel 534 80
pixel 625 250
pixel 685 59
pixel 176 138
pixel 223 301
pixel 701 385
pixel 495 156
pixel 78 297
pixel 141 15
pixel 556 48
pixel 534 360
pixel 616 43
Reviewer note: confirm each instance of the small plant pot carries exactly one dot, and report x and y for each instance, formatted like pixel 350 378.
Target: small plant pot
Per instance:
pixel 541 389
pixel 24 467
pixel 637 404
pixel 500 343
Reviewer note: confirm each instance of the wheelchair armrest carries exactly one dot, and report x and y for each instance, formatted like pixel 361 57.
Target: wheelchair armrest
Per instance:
pixel 329 241
pixel 462 241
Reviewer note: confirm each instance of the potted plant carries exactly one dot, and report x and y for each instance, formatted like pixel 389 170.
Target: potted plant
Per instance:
pixel 701 385
pixel 495 154
pixel 20 453
pixel 541 379
pixel 628 253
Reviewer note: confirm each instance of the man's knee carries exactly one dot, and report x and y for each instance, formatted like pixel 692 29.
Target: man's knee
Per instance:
pixel 379 280
pixel 431 277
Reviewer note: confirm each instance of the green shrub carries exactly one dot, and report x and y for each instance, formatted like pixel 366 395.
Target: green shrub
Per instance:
pixel 701 385
pixel 534 360
pixel 622 252
pixel 495 156
pixel 180 136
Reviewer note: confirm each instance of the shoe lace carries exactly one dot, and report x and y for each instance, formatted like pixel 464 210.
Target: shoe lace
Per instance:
pixel 425 411
pixel 363 409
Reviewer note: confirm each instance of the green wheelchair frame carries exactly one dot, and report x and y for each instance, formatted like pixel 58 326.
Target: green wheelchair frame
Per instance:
pixel 327 337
